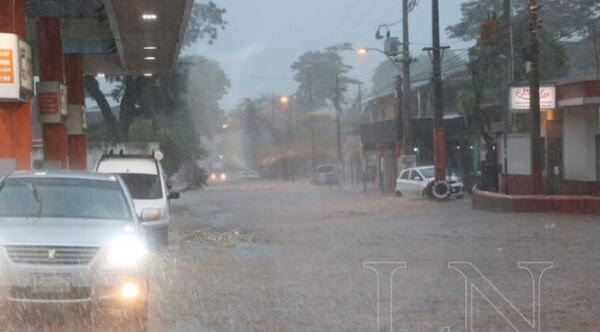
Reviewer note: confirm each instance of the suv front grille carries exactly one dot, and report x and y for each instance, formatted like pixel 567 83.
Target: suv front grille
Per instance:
pixel 51 255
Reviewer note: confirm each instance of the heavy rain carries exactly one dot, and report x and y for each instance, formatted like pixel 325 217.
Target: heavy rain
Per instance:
pixel 341 165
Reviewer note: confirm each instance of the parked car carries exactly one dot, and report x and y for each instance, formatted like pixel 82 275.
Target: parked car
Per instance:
pixel 148 186
pixel 414 181
pixel 325 174
pixel 249 175
pixel 72 238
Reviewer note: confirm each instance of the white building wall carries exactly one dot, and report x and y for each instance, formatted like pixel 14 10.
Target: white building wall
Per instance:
pixel 579 144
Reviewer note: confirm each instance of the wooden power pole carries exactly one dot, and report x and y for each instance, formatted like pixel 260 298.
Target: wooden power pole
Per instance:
pixel 534 100
pixel 439 141
pixel 406 109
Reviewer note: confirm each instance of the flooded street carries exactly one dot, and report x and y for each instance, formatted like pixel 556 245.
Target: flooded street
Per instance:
pixel 261 256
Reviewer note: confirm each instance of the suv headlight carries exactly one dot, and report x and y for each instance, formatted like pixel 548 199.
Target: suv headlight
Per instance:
pixel 126 251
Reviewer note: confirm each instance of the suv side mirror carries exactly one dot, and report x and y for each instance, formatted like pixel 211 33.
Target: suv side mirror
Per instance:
pixel 173 195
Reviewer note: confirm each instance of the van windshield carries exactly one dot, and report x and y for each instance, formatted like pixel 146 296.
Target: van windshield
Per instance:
pixel 143 186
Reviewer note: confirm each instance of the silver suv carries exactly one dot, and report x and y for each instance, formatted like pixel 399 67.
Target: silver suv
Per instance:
pixel 68 238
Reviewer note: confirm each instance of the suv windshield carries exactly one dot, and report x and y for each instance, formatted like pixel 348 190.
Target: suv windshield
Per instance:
pixel 143 186
pixel 63 198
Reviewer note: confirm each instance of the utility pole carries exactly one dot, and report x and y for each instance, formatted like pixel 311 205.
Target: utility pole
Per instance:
pixel 439 144
pixel 291 146
pixel 508 53
pixel 406 109
pixel 338 111
pixel 399 114
pixel 313 160
pixel 534 100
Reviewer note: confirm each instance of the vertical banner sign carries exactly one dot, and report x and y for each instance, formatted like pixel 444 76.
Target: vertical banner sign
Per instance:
pixel 26 67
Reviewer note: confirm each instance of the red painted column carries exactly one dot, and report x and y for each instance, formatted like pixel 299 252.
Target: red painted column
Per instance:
pixel 76 96
pixel 15 118
pixel 51 68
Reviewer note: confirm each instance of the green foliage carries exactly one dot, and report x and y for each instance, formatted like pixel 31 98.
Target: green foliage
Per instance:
pixel 385 74
pixel 564 18
pixel 173 109
pixel 553 56
pixel 100 133
pixel 316 71
pixel 141 130
pixel 205 22
pixel 206 84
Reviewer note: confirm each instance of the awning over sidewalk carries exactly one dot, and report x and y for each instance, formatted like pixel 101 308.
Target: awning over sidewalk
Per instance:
pixel 117 37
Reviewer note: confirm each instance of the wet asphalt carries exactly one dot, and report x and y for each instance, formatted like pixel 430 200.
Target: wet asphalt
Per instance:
pixel 268 256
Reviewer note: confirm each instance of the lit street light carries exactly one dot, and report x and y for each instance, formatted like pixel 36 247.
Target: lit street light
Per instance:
pixel 363 50
pixel 284 100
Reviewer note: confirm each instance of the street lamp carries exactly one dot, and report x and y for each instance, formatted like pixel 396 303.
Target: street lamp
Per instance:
pixel 364 50
pixel 284 100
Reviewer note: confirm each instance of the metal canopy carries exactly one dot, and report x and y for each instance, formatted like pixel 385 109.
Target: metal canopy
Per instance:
pixel 113 35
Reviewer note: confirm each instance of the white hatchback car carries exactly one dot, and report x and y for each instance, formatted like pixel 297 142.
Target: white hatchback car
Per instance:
pixel 147 183
pixel 414 181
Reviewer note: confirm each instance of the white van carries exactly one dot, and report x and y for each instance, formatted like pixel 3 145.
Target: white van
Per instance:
pixel 147 184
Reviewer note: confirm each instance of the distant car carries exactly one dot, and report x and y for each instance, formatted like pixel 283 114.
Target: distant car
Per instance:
pixel 218 176
pixel 249 175
pixel 414 181
pixel 147 183
pixel 73 238
pixel 326 174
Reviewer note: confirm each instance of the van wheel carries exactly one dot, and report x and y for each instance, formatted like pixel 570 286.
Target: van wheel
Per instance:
pixel 398 193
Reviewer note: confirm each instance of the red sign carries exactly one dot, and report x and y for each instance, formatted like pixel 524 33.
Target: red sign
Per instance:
pixel 48 103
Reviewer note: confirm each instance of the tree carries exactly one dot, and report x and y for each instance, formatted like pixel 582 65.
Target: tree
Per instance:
pixel 205 22
pixel 385 74
pixel 206 84
pixel 564 18
pixel 316 71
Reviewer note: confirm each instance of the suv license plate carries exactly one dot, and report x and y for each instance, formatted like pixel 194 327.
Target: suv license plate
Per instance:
pixel 51 283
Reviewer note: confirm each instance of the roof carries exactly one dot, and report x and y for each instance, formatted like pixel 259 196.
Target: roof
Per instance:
pixel 113 36
pixel 62 174
pixel 132 165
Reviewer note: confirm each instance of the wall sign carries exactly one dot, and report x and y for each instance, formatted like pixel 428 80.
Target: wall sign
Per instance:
pixel 16 69
pixel 52 102
pixel 519 98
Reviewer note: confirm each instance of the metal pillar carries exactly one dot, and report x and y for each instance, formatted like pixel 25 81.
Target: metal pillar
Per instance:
pixel 51 68
pixel 76 96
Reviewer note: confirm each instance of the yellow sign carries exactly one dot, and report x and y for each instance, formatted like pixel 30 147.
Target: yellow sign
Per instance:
pixel 7 67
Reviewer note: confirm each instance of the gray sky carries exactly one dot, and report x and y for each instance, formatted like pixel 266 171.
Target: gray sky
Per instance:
pixel 264 37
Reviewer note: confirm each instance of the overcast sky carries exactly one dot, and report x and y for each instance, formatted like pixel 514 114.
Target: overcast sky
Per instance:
pixel 264 37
